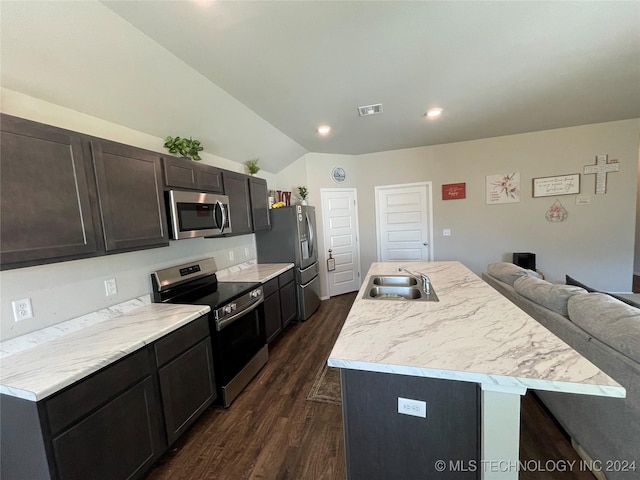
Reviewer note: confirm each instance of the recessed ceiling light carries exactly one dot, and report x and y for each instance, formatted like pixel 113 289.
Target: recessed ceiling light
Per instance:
pixel 434 112
pixel 324 129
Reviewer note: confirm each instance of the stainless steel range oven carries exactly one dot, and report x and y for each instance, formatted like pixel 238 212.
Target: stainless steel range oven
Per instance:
pixel 236 320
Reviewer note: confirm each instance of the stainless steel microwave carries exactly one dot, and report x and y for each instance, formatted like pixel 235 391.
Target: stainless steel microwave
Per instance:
pixel 195 214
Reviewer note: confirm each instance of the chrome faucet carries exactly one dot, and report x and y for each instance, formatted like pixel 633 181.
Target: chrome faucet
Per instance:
pixel 426 282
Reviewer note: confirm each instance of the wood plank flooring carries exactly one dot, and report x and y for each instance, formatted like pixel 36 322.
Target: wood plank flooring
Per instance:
pixel 272 432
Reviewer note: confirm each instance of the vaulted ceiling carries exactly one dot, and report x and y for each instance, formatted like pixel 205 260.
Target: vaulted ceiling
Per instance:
pixel 256 79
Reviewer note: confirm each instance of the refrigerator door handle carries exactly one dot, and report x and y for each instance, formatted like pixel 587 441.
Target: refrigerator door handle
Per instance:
pixel 314 265
pixel 309 282
pixel 312 245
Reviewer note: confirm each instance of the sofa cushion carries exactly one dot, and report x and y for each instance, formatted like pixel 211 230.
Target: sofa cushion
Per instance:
pixel 609 320
pixel 572 281
pixel 551 296
pixel 509 272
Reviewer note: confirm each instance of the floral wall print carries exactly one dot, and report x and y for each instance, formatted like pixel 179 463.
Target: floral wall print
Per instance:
pixel 556 213
pixel 503 188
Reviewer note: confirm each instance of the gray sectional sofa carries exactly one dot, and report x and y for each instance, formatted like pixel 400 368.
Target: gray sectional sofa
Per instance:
pixel 604 330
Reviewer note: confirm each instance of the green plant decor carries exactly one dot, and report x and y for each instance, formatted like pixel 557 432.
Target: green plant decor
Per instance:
pixel 252 166
pixel 186 147
pixel 303 192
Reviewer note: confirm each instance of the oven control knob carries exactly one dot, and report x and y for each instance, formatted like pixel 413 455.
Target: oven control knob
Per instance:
pixel 227 309
pixel 256 293
pixel 233 307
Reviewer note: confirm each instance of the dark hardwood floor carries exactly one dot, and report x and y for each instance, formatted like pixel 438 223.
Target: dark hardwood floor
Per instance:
pixel 272 432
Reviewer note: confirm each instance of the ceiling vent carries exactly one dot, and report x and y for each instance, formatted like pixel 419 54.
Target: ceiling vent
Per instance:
pixel 370 110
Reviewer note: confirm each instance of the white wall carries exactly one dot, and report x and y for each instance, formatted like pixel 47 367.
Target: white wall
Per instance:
pixel 636 267
pixel 595 244
pixel 61 291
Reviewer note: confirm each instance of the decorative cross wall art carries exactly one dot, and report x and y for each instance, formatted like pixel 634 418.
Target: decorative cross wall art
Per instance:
pixel 600 170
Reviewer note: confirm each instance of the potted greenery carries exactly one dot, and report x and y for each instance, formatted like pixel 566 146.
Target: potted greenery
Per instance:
pixel 186 147
pixel 302 193
pixel 252 166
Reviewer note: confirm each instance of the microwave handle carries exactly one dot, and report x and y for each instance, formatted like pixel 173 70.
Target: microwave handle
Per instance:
pixel 224 215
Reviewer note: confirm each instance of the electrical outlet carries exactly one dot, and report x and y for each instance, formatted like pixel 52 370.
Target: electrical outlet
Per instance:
pixel 246 252
pixel 110 287
pixel 417 408
pixel 446 232
pixel 22 309
pixel 231 256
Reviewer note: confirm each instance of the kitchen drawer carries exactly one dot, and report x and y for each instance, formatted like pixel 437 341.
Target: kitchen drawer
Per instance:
pixel 270 287
pixel 182 339
pixel 89 393
pixel 286 277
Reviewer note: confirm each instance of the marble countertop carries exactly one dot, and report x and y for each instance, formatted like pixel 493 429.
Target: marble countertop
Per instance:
pixel 40 371
pixel 472 334
pixel 253 272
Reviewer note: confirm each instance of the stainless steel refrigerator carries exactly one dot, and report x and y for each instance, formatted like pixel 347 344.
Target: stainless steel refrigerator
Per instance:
pixel 292 239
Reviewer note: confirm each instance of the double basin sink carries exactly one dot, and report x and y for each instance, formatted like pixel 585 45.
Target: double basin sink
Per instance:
pixel 397 287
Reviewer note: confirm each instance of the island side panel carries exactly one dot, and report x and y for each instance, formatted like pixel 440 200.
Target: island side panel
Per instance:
pixel 380 443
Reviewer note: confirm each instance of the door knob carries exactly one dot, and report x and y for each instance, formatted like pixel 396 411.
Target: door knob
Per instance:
pixel 425 244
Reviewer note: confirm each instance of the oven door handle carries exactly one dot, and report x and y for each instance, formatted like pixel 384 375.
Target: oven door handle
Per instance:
pixel 220 325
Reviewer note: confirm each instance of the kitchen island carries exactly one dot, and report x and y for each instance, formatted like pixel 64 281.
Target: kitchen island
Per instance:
pixel 467 358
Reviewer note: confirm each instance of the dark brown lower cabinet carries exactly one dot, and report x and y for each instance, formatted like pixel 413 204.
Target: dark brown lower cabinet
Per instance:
pixel 187 388
pixel 279 303
pixel 115 423
pixel 381 443
pixel 288 304
pixel 272 315
pixel 120 440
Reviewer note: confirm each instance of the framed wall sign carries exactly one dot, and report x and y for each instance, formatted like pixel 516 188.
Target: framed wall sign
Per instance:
pixel 338 175
pixel 503 188
pixel 558 185
pixel 454 191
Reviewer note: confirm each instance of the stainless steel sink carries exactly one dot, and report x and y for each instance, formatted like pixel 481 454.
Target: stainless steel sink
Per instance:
pixel 397 287
pixel 395 281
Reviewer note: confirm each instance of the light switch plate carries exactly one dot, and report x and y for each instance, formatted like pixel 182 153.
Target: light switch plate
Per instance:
pixel 446 232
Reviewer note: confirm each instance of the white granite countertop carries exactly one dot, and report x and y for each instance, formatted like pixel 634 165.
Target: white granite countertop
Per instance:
pixel 253 272
pixel 472 334
pixel 44 369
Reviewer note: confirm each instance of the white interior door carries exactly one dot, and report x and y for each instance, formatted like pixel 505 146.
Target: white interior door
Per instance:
pixel 340 220
pixel 404 222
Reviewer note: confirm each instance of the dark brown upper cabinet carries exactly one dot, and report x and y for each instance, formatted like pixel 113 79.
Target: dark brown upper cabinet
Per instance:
pixel 248 202
pixel 130 194
pixel 236 187
pixel 185 173
pixel 45 194
pixel 259 203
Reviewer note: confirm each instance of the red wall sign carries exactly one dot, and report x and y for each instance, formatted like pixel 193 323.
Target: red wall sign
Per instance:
pixel 453 191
